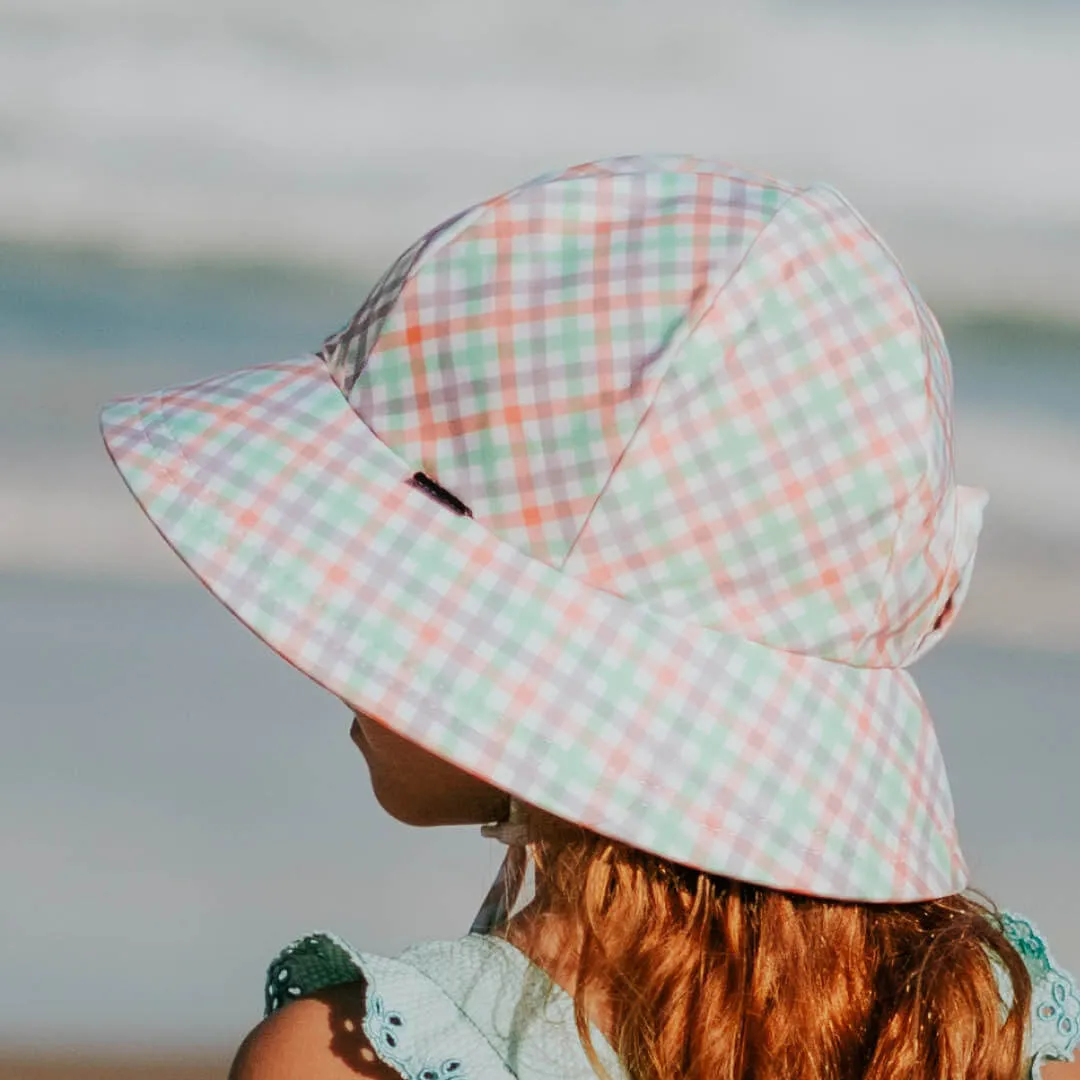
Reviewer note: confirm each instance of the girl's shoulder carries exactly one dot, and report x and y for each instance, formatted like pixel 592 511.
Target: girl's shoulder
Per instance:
pixel 317 1037
pixel 476 1007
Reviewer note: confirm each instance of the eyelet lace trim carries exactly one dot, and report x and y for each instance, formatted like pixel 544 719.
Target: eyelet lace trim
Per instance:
pixel 390 1036
pixel 1054 1030
pixel 322 960
pixel 308 965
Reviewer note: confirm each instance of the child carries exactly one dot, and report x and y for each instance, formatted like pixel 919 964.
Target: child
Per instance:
pixel 615 516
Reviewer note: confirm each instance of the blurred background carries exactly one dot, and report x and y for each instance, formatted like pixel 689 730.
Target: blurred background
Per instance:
pixel 189 186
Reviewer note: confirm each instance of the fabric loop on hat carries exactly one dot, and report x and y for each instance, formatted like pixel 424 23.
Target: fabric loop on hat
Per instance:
pixel 970 504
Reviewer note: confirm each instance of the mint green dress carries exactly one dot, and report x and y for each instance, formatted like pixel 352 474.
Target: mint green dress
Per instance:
pixel 477 1009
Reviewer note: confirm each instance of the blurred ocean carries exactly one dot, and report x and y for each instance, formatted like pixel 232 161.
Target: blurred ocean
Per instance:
pixel 332 130
pixel 189 187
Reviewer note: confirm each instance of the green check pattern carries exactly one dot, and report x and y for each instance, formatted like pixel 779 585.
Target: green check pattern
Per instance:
pixel 703 423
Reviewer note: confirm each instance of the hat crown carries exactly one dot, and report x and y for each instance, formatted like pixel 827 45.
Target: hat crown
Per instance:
pixel 703 425
pixel 707 391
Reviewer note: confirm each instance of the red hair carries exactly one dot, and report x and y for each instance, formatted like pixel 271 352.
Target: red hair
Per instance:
pixel 705 978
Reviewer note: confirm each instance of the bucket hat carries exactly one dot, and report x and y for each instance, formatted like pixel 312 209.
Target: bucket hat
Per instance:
pixel 629 490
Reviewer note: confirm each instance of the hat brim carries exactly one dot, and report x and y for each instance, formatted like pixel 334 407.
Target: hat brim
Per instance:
pixel 708 749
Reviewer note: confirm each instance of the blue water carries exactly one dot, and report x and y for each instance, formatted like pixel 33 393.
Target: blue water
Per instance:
pixel 175 320
pixel 270 129
pixel 1016 364
pixel 82 306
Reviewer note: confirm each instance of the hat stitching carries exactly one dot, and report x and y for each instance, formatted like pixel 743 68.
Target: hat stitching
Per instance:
pixel 671 350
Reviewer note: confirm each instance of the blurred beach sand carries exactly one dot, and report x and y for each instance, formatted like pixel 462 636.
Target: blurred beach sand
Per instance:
pixel 126 1067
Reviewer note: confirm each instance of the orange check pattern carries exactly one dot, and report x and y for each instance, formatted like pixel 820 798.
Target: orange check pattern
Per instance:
pixel 702 421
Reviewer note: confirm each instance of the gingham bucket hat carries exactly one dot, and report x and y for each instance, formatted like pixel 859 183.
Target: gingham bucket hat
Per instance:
pixel 630 490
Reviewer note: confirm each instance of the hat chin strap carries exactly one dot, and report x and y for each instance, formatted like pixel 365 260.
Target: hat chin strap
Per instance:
pixel 506 896
pixel 514 830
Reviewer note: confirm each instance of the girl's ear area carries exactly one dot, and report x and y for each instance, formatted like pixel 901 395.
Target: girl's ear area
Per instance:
pixel 318 1037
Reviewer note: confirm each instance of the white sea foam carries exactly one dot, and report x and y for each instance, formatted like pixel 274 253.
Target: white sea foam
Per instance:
pixel 336 130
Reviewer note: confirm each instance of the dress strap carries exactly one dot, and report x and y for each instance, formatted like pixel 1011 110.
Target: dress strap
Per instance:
pixel 503 897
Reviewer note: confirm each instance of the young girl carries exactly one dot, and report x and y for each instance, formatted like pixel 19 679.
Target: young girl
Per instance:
pixel 615 517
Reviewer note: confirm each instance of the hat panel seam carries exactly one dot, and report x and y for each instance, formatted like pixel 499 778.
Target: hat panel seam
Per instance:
pixel 701 167
pixel 671 352
pixel 421 251
pixel 927 348
pixel 802 197
pixel 478 221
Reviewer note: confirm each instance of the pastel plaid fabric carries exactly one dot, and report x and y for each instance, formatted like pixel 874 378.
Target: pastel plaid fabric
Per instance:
pixel 702 421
